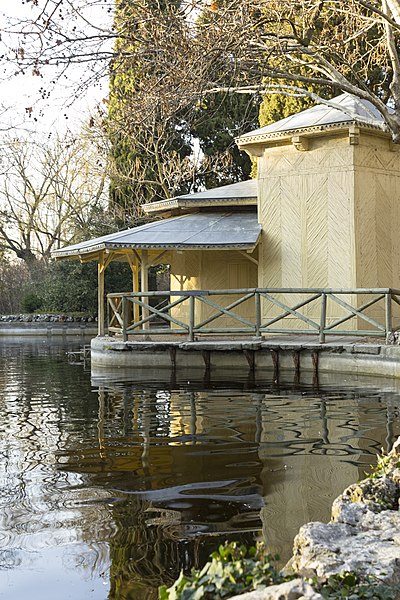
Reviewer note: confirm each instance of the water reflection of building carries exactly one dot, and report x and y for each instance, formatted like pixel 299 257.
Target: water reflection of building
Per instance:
pixel 185 475
pixel 303 438
pixel 323 441
pixel 189 468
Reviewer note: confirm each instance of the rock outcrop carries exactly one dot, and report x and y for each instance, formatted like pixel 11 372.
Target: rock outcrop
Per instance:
pixel 363 537
pixel 297 589
pixel 364 533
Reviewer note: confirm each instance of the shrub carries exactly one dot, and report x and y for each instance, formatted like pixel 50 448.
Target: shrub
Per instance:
pixel 70 286
pixel 31 302
pixel 14 277
pixel 233 569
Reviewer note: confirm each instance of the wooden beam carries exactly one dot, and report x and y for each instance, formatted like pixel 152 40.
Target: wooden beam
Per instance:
pixel 155 260
pixel 251 258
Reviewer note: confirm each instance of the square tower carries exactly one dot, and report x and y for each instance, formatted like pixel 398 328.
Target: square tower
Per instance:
pixel 328 201
pixel 329 198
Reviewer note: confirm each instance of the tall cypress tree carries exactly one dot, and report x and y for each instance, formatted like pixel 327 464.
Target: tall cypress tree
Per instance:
pixel 153 150
pixel 221 117
pixel 143 145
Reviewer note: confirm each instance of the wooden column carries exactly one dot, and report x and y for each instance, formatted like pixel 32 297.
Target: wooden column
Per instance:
pixel 100 296
pixel 144 282
pixel 104 260
pixel 134 264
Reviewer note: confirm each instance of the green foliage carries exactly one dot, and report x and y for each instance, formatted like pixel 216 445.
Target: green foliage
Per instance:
pixel 384 465
pixel 31 302
pixel 153 120
pixel 142 144
pixel 70 286
pixel 233 569
pixel 217 121
pixel 277 106
pixel 14 277
pixel 352 586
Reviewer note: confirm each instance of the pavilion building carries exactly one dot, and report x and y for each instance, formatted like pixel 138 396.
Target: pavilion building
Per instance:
pixel 324 212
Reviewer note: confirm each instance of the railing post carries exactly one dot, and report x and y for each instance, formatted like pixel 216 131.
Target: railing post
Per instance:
pixel 258 313
pixel 108 314
pixel 322 323
pixel 124 319
pixel 388 314
pixel 191 317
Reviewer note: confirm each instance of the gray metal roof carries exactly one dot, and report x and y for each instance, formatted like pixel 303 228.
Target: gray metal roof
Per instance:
pixel 244 192
pixel 344 109
pixel 243 189
pixel 193 231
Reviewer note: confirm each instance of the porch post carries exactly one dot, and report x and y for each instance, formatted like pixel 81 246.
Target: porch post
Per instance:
pixel 144 283
pixel 134 264
pixel 100 296
pixel 135 282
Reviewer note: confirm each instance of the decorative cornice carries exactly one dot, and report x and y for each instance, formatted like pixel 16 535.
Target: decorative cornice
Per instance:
pixel 309 131
pixel 176 203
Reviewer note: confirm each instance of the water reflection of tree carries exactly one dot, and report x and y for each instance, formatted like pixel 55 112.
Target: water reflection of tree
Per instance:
pixel 131 460
pixel 42 413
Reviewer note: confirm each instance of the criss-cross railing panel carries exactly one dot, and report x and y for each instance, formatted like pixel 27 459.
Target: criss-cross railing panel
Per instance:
pixel 257 311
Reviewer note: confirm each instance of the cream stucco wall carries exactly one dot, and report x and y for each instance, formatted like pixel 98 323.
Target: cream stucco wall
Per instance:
pixel 306 203
pixel 377 213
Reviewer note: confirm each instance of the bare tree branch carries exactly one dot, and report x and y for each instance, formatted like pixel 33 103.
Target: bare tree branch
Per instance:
pixel 236 46
pixel 48 194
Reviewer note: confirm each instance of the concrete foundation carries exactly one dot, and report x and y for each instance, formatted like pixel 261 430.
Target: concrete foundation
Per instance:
pixel 298 354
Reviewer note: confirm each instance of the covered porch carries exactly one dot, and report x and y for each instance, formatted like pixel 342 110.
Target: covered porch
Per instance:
pixel 204 250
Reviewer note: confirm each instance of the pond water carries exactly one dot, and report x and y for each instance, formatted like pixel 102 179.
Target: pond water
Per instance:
pixel 109 486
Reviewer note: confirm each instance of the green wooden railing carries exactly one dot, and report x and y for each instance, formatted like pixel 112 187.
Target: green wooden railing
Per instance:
pixel 372 312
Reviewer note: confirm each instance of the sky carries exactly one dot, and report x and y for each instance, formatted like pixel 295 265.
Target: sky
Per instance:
pixel 23 108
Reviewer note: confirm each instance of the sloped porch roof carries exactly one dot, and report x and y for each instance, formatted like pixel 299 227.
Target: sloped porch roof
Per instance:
pixel 195 231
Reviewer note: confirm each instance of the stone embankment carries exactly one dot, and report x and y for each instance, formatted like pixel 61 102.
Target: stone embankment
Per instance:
pixel 363 537
pixel 47 325
pixel 46 318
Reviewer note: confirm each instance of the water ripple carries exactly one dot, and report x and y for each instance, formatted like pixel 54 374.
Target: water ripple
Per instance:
pixel 128 483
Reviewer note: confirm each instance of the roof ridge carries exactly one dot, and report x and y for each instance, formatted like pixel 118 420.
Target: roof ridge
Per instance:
pixel 343 110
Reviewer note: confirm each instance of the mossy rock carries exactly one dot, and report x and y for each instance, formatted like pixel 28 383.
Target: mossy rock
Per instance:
pixel 379 494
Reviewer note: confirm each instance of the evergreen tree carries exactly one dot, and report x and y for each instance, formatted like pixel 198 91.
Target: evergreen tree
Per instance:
pixel 221 117
pixel 153 150
pixel 216 123
pixel 148 149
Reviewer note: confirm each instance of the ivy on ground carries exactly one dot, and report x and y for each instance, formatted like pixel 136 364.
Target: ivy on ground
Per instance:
pixel 351 586
pixel 235 569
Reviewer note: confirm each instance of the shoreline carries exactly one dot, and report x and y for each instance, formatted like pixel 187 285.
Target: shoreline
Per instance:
pixel 46 326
